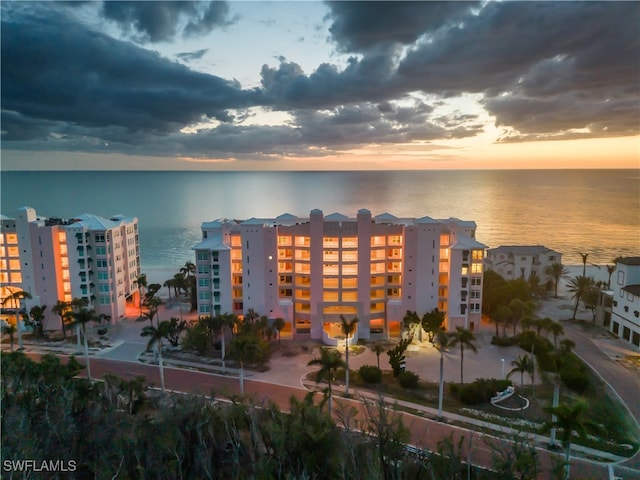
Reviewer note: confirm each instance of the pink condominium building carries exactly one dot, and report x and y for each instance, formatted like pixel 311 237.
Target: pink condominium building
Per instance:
pixel 310 271
pixel 87 257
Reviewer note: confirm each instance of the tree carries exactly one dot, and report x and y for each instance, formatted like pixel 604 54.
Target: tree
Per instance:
pixel 141 283
pixel 578 287
pixel 152 304
pixel 570 418
pixel 81 318
pixel 411 322
pixel 156 334
pixel 169 284
pixel 502 315
pixel 36 319
pixel 348 328
pixel 378 348
pixel 189 269
pixel 556 329
pixel 584 263
pixel 396 355
pixel 279 324
pixel 523 364
pixel 14 298
pixel 520 309
pixel 62 308
pixel 465 338
pixel 243 348
pixel 441 341
pixel 329 361
pixel 610 270
pixel 432 322
pixel 176 327
pixel 556 271
pixel 9 330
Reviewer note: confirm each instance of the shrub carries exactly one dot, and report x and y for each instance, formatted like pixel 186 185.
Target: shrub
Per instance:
pixel 504 341
pixel 197 338
pixel 481 390
pixel 408 379
pixel 527 339
pixel 370 374
pixel 576 379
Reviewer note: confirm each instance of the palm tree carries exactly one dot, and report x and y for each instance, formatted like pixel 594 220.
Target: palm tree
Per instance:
pixel 169 284
pixel 610 270
pixel 9 330
pixel 36 314
pixel 442 341
pixel 348 328
pixel 243 348
pixel 330 361
pixel 141 283
pixel 61 308
pixel 152 304
pixel 81 318
pixel 569 418
pixel 378 348
pixel 556 329
pixel 188 269
pixel 584 263
pixel 578 287
pixel 502 315
pixel 523 364
pixel 279 324
pixel 465 338
pixel 15 298
pixel 556 271
pixel 156 334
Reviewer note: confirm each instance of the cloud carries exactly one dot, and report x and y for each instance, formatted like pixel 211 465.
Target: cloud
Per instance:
pixel 61 74
pixel 189 56
pixel 161 21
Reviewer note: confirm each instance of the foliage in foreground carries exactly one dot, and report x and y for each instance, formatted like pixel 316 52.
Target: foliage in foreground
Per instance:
pixel 111 429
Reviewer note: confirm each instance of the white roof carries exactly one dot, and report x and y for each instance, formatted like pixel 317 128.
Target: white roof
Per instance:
pixel 464 242
pixel 212 243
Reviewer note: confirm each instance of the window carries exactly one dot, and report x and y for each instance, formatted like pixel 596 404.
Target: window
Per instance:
pixel 330 296
pixel 476 268
pixel 101 264
pixel 475 308
pixel 476 281
pixel 214 256
pixel 99 237
pixel 216 270
pixel 477 254
pixel 285 279
pixel 395 240
pixel 202 255
pixel 464 270
pixel 463 308
pixel 104 287
pixel 205 308
pixel 285 292
pixel 203 282
pixel 204 295
pixel 621 278
pixel 101 250
pixel 216 283
pixel 105 300
pixel 284 241
pixel 203 269
pixel 475 294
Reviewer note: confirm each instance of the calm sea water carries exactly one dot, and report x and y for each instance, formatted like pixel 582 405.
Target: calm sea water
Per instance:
pixel 572 211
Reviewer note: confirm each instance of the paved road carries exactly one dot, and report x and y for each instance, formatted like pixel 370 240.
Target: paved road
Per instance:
pixel 425 432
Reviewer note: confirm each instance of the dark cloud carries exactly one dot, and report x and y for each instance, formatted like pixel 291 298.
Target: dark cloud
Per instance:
pixel 56 73
pixel 361 26
pixel 162 21
pixel 189 56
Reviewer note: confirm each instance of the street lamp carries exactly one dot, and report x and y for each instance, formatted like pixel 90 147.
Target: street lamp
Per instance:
pixel 502 360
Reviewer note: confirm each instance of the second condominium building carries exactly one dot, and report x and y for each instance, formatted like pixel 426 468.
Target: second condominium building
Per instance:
pixel 86 257
pixel 311 271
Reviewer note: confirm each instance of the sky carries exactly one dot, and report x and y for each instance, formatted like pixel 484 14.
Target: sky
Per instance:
pixel 306 85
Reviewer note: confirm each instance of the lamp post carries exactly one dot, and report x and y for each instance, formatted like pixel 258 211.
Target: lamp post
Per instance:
pixel 502 360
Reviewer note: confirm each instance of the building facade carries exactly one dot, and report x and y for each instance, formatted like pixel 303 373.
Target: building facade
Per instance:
pixel 311 271
pixel 87 257
pixel 522 261
pixel 625 292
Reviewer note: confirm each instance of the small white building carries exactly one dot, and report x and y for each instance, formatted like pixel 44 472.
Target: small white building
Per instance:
pixel 86 257
pixel 310 271
pixel 521 261
pixel 625 310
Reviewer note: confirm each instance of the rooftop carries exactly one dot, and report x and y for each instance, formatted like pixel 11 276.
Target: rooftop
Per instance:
pixel 629 260
pixel 521 249
pixel 632 289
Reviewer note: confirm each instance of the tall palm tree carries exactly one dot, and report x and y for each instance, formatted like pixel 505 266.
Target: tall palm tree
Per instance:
pixel 188 269
pixel 61 308
pixel 141 283
pixel 330 361
pixel 348 328
pixel 14 298
pixel 556 329
pixel 556 271
pixel 578 287
pixel 523 364
pixel 520 309
pixel 442 341
pixel 279 324
pixel 153 305
pixel 80 319
pixel 584 263
pixel 378 348
pixel 243 348
pixel 36 314
pixel 570 418
pixel 156 335
pixel 465 338
pixel 10 330
pixel 610 270
pixel 502 315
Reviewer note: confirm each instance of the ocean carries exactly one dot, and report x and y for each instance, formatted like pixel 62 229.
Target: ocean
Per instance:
pixel 571 211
